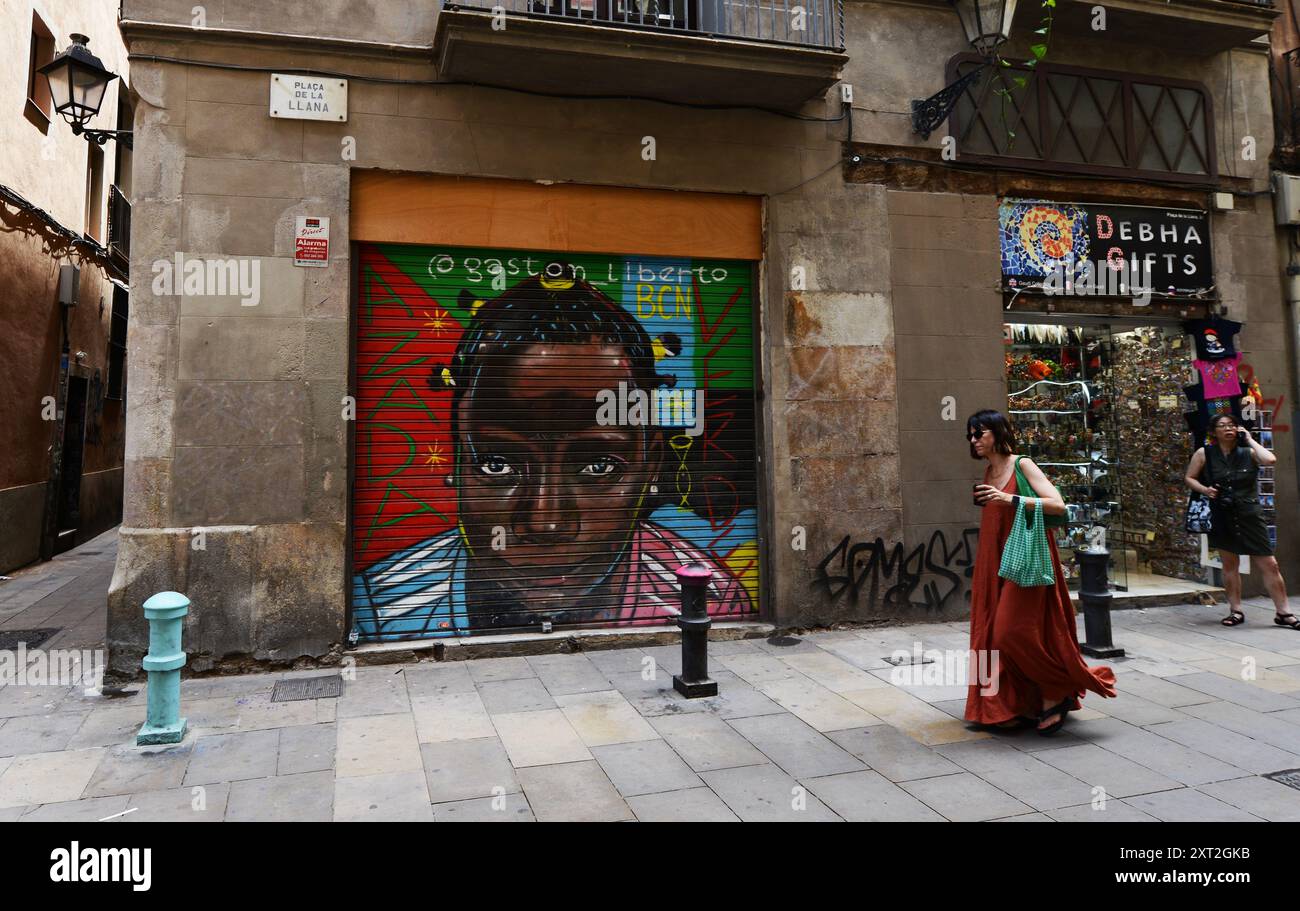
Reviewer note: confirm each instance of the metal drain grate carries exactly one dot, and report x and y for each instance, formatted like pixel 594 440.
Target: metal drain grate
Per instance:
pixel 1288 777
pixel 328 687
pixel 32 638
pixel 784 641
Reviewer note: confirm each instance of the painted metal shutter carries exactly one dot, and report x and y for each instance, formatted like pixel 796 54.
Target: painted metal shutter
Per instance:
pixel 546 437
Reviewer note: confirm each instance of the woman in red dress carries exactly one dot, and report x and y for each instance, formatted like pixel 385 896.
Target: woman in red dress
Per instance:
pixel 1039 670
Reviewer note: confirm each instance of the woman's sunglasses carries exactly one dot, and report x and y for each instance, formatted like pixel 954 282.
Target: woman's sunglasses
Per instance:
pixel 974 433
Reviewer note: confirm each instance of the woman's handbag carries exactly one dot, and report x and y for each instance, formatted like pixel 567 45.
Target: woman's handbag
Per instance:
pixel 1027 557
pixel 1199 518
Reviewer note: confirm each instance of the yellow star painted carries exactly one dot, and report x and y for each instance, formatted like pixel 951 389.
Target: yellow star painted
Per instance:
pixel 437 323
pixel 435 456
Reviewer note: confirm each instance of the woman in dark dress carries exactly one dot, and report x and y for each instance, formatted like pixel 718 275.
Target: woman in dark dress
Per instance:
pixel 1226 473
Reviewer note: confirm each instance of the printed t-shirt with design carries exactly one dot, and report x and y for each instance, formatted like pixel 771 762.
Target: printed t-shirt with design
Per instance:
pixel 1213 337
pixel 1219 378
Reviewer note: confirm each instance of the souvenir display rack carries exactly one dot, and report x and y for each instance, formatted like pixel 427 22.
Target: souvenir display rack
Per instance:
pixel 1061 411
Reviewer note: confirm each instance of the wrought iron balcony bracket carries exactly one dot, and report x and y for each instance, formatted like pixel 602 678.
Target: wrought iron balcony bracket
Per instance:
pixel 99 137
pixel 929 114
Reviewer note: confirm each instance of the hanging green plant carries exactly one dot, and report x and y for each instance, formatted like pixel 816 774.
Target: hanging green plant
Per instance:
pixel 1037 53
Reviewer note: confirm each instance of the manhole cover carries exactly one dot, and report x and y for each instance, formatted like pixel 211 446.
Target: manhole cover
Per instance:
pixel 1288 777
pixel 784 641
pixel 32 638
pixel 329 687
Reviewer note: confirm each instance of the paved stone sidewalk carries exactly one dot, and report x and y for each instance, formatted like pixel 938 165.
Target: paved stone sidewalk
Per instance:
pixel 813 731
pixel 68 593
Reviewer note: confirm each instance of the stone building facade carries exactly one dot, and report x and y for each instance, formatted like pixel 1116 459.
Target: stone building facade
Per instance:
pixel 879 305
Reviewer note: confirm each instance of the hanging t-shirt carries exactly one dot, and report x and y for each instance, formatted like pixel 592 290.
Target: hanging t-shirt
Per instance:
pixel 1200 420
pixel 1219 378
pixel 1213 337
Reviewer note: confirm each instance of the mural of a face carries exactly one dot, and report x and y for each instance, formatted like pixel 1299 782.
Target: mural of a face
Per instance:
pixel 548 498
pixel 549 441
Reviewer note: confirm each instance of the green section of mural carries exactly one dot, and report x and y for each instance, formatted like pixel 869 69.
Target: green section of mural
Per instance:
pixel 652 287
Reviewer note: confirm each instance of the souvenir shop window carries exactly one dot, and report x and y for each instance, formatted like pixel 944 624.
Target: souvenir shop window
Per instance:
pixel 1062 416
pixel 1101 409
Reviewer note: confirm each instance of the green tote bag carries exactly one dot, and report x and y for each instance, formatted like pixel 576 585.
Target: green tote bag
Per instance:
pixel 1027 558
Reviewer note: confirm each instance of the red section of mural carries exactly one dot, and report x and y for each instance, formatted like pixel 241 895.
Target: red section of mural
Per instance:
pixel 404 447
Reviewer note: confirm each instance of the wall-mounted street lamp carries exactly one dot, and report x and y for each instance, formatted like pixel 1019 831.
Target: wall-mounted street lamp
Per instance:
pixel 987 24
pixel 78 80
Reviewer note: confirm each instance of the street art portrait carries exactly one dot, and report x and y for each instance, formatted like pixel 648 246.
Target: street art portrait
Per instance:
pixel 546 440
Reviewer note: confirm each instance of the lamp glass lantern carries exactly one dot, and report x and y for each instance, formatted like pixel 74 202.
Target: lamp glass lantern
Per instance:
pixel 987 23
pixel 77 81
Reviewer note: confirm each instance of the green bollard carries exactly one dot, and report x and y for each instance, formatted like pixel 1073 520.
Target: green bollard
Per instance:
pixel 163 664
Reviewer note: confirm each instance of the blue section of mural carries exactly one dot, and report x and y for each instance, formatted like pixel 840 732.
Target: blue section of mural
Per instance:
pixel 743 529
pixel 419 592
pixel 658 292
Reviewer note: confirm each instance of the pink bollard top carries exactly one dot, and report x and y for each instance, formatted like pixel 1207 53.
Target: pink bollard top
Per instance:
pixel 694 572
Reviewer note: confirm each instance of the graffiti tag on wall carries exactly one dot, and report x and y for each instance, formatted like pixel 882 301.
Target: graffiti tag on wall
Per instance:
pixel 872 574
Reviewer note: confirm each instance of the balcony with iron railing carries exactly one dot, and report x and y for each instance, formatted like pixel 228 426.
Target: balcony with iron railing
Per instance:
pixel 1197 27
pixel 772 53
pixel 809 23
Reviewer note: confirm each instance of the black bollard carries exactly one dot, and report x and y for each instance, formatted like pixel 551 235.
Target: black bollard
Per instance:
pixel 1096 597
pixel 693 682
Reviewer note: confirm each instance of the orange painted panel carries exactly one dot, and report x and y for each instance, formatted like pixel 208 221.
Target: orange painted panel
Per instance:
pixel 462 211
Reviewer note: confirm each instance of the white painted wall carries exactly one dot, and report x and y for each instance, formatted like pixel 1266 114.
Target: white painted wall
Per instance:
pixel 49 167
